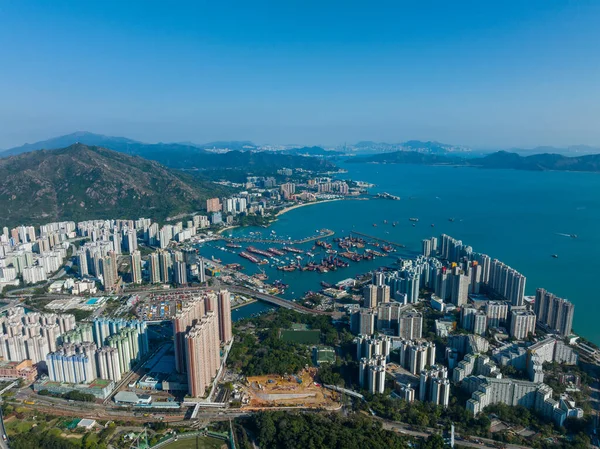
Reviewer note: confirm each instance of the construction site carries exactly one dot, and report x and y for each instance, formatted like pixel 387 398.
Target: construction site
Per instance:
pixel 297 390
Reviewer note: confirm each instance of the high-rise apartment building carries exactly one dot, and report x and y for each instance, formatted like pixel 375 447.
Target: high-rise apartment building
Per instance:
pixel 154 268
pixel 522 323
pixel 202 354
pixel 203 322
pixel 362 322
pixel 553 312
pixel 108 270
pixel 180 273
pixel 224 303
pixel 375 295
pixel 497 313
pixel 213 205
pixel 166 267
pixel 136 267
pixel 460 287
pixel 507 282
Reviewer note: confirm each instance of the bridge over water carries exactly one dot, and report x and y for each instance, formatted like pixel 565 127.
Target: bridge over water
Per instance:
pixel 275 300
pixel 264 297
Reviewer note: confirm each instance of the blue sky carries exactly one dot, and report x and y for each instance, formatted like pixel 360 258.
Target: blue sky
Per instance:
pixel 489 74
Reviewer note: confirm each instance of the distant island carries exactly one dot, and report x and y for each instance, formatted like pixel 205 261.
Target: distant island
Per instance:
pixel 498 160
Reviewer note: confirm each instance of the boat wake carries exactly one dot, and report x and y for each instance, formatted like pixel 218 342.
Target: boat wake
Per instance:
pixel 563 234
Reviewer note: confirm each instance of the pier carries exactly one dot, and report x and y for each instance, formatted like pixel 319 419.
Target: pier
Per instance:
pixel 387 242
pixel 323 234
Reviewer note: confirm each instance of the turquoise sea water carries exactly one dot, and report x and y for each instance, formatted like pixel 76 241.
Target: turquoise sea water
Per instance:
pixel 515 216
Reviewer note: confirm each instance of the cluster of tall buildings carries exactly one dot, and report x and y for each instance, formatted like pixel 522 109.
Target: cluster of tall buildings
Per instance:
pixel 173 266
pixel 99 259
pixel 31 336
pixel 72 363
pixel 416 355
pixel 537 396
pixel 202 324
pixel 106 349
pixel 478 269
pixel 434 385
pixel 338 187
pixel 31 256
pixel 475 364
pixel 555 313
pixel 371 374
pixel 389 318
pixel 377 292
pixel 465 272
pixel 235 205
pixel 372 354
pixel 477 318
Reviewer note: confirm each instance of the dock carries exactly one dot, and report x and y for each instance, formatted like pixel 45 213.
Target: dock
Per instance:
pixel 387 242
pixel 322 235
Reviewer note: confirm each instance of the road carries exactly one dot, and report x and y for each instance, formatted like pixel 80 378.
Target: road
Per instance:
pixel 275 300
pixel 131 374
pixel 96 411
pixel 3 443
pixel 406 430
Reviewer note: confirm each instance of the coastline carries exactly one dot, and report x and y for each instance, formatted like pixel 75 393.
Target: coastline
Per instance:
pixel 220 231
pixel 287 209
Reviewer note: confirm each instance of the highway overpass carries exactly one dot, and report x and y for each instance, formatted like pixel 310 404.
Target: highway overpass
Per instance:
pixel 275 300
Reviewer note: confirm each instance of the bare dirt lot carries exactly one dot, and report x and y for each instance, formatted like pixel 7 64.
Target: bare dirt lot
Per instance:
pixel 291 391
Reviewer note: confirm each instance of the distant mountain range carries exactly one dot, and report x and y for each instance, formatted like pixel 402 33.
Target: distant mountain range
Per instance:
pixel 185 155
pixel 312 151
pixel 417 146
pixel 572 150
pixel 499 160
pixel 83 182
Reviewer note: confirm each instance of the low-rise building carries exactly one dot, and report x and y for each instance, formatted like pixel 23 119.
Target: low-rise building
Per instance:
pixel 18 370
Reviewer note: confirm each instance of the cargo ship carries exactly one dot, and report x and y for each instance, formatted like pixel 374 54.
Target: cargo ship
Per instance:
pixel 262 252
pixel 355 257
pixel 413 219
pixel 291 249
pixel 250 257
pixel 277 251
pixel 323 244
pixel 290 267
pixel 233 245
pixel 234 266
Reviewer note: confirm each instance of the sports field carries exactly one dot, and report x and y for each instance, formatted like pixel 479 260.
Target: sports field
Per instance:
pixel 307 337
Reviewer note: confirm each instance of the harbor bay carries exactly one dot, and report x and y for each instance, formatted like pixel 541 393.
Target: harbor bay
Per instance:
pixel 521 218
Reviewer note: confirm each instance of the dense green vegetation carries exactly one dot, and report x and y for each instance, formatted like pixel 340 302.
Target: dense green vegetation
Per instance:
pixel 267 354
pixel 51 439
pixel 71 395
pixel 258 348
pixel 293 430
pixel 81 182
pixel 426 414
pixel 79 314
pixel 253 220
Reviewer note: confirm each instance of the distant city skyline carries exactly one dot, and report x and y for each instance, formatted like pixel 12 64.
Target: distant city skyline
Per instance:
pixel 483 75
